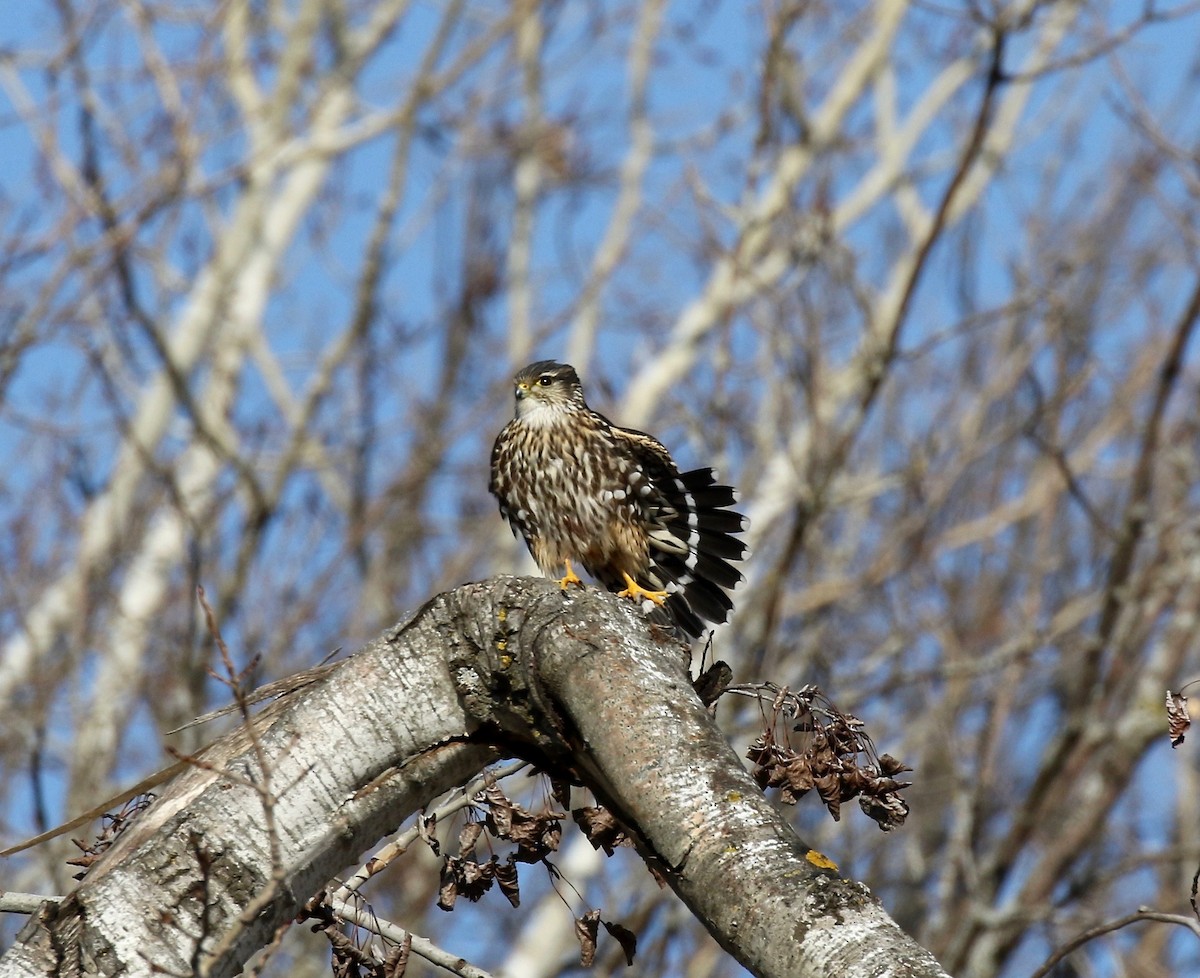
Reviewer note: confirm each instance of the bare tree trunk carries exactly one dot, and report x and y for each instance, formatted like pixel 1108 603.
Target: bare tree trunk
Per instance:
pixel 581 685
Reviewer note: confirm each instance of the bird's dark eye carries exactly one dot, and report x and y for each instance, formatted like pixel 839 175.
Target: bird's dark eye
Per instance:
pixel 545 380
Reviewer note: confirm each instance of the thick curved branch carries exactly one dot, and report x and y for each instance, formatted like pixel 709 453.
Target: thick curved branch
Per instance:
pixel 580 683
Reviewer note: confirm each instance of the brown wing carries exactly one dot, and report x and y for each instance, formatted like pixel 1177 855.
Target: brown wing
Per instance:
pixel 689 529
pixel 507 472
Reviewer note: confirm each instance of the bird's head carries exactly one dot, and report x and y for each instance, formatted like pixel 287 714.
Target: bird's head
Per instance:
pixel 546 389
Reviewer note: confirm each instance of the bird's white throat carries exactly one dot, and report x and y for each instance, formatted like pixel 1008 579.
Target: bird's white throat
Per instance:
pixel 540 414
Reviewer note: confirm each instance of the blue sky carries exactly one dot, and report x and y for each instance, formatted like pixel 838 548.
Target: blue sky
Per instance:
pixel 702 98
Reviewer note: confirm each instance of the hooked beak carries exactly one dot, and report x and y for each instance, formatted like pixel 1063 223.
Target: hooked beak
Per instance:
pixel 521 391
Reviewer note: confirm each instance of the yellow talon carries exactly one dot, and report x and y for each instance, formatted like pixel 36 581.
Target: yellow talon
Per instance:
pixel 570 577
pixel 635 591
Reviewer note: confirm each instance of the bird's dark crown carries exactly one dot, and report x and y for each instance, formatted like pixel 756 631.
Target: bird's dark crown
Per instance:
pixel 552 370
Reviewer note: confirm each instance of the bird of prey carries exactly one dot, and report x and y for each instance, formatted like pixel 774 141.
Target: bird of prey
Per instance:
pixel 580 488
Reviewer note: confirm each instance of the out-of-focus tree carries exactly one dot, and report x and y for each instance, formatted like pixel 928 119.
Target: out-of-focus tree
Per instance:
pixel 920 278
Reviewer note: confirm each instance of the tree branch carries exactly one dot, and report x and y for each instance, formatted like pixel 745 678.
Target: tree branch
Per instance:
pixel 582 685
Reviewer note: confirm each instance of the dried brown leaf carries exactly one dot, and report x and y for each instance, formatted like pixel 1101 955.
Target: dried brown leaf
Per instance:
pixel 536 836
pixel 491 793
pixel 468 837
pixel 625 937
pixel 448 890
pixel 713 682
pixel 475 879
pixel 344 964
pixel 506 879
pixel 587 928
pixel 600 828
pixel 560 791
pixel 830 789
pixel 823 749
pixel 799 774
pixel 500 814
pixel 396 962
pixel 1178 719
pixel 889 766
pixel 888 810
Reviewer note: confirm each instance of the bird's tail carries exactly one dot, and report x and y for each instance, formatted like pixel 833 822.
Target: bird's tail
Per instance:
pixel 691 547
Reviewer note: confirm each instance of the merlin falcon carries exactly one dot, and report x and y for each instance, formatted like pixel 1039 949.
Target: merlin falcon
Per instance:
pixel 580 488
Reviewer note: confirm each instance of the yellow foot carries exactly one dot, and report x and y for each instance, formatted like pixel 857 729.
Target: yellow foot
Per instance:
pixel 635 591
pixel 570 577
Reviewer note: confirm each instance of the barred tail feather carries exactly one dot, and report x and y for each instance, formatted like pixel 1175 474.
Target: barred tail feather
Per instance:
pixel 721 521
pixel 708 600
pixel 678 612
pixel 692 549
pixel 722 545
